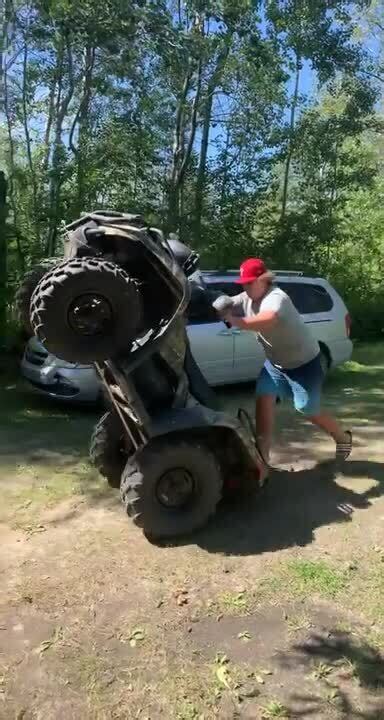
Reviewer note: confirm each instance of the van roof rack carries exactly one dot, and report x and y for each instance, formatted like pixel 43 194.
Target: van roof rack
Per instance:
pixel 297 273
pixel 294 273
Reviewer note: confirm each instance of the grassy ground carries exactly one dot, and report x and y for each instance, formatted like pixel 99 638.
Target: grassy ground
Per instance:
pixel 275 610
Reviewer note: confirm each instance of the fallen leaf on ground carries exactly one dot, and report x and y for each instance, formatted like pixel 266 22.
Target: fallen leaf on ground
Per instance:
pixel 249 691
pixel 47 644
pixel 32 530
pixel 24 505
pixel 137 635
pixel 222 674
pixel 181 596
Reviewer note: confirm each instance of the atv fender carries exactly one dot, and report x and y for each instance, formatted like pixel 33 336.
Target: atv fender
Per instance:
pixel 200 418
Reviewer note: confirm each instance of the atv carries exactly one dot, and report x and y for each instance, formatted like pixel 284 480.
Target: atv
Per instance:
pixel 119 299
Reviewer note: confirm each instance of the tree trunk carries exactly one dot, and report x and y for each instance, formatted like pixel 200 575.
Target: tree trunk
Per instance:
pixel 3 255
pixel 177 153
pixel 207 115
pixel 187 151
pixel 84 126
pixel 332 201
pixel 224 179
pixel 182 153
pixel 3 182
pixel 63 100
pixel 291 137
pixel 12 167
pixel 182 148
pixel 28 142
pixel 3 37
pixel 81 121
pixel 51 112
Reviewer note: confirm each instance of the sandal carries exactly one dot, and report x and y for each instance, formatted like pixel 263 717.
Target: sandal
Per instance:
pixel 344 449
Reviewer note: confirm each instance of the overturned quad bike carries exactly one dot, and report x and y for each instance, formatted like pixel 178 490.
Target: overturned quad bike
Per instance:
pixel 119 300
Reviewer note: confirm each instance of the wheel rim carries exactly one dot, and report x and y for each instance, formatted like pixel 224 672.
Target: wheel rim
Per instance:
pixel 175 488
pixel 90 315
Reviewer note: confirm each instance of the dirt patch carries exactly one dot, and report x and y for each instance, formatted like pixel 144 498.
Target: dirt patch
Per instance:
pixel 298 658
pixel 246 619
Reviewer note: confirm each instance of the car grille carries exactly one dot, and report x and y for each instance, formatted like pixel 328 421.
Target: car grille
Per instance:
pixel 57 388
pixel 35 357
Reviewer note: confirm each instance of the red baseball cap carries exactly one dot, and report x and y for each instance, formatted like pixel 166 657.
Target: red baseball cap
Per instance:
pixel 251 270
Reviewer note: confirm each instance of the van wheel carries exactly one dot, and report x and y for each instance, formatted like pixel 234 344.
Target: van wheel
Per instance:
pixel 324 360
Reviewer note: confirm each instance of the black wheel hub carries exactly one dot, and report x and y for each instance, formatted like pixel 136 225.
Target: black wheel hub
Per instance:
pixel 175 488
pixel 90 315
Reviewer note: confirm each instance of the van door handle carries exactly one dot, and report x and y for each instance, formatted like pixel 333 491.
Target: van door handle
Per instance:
pixel 237 332
pixel 225 332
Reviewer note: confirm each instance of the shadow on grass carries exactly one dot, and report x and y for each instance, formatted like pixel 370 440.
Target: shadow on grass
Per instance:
pixel 349 673
pixel 44 457
pixel 29 423
pixel 290 509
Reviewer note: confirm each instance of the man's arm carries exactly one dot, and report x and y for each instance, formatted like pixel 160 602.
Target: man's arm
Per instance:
pixel 225 305
pixel 271 309
pixel 257 323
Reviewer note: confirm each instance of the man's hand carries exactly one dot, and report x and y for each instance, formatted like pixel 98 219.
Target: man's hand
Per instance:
pixel 223 306
pixel 229 318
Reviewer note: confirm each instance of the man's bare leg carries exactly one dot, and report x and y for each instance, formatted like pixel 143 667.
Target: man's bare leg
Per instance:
pixel 342 438
pixel 329 425
pixel 265 419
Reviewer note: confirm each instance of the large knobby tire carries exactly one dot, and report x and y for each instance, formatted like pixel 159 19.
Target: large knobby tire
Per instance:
pixel 86 310
pixel 109 448
pixel 25 291
pixel 143 485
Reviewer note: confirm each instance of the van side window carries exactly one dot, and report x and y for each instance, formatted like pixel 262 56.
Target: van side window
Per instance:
pixel 226 288
pixel 200 309
pixel 308 298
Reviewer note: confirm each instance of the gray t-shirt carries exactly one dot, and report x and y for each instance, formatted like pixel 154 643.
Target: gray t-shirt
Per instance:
pixel 289 343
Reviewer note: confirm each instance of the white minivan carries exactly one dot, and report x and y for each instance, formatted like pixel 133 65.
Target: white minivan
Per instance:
pixel 225 356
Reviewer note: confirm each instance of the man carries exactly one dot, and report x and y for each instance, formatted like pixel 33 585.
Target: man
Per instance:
pixel 293 367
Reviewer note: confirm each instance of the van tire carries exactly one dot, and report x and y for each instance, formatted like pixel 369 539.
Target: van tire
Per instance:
pixel 325 359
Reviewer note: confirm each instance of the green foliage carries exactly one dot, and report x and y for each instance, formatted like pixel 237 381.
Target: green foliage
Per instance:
pixel 181 111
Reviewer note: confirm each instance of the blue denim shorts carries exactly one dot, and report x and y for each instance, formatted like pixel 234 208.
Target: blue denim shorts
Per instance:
pixel 302 385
